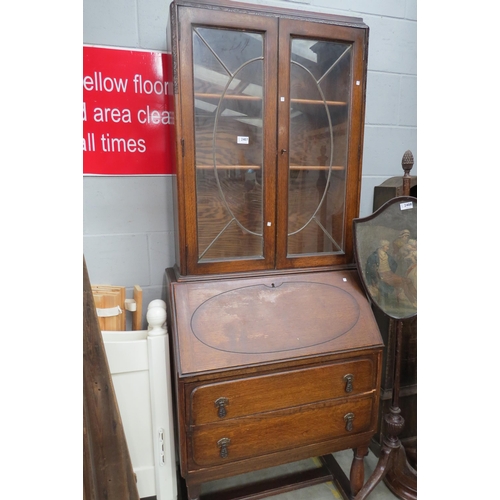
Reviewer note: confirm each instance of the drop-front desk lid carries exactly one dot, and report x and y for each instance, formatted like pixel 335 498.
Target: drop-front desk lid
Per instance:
pixel 230 323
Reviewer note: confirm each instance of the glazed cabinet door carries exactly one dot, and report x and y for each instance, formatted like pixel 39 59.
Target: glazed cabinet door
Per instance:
pixel 269 117
pixel 321 114
pixel 228 86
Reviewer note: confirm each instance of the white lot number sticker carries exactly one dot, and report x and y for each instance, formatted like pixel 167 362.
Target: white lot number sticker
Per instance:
pixel 406 206
pixel 242 140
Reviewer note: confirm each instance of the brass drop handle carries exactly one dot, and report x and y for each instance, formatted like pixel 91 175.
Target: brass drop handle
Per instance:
pixel 348 418
pixel 221 404
pixel 349 378
pixel 223 444
pixel 283 151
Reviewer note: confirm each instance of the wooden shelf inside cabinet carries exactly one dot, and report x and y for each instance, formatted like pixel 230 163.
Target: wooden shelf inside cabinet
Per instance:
pixel 258 167
pixel 218 97
pixel 243 97
pixel 317 102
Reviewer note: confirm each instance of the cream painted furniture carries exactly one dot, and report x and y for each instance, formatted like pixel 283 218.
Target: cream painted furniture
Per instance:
pixel 139 366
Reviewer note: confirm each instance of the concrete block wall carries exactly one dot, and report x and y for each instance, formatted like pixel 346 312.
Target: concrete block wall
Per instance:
pixel 128 221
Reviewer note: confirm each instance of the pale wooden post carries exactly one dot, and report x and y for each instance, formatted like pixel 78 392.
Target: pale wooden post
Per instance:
pixel 161 402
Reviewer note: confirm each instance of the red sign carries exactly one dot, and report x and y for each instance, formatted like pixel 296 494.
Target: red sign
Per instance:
pixel 126 121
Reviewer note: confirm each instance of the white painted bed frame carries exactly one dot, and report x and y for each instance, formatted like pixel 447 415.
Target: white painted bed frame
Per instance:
pixel 139 366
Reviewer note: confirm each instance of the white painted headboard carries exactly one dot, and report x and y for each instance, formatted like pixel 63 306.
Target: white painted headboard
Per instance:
pixel 139 365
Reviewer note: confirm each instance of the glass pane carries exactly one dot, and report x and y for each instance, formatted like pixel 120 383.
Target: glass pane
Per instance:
pixel 320 76
pixel 228 81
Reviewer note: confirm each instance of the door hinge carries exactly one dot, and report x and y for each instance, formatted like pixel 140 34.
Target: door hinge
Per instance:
pixel 161 446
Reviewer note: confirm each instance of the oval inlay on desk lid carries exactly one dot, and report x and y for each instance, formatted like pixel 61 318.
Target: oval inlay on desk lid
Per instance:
pixel 279 317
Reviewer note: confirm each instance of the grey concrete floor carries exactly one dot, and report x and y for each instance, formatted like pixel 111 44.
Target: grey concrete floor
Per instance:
pixel 324 491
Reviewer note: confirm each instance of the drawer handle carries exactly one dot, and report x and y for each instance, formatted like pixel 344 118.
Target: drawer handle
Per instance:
pixel 349 378
pixel 349 417
pixel 223 444
pixel 221 404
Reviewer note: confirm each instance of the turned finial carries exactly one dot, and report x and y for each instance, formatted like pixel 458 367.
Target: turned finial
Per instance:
pixel 407 164
pixel 156 317
pixel 157 303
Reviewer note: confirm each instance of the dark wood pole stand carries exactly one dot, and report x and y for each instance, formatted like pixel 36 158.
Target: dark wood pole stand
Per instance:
pixel 401 477
pixel 393 467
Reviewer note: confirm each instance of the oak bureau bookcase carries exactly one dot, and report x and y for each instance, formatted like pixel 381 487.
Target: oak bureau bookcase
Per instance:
pixel 276 353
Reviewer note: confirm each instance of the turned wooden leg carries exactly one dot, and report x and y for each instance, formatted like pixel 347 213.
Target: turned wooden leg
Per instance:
pixel 357 475
pixel 193 490
pixel 383 465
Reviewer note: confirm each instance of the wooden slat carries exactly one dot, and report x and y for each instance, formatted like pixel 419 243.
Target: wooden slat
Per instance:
pixel 108 296
pixel 107 469
pixel 137 314
pixel 122 317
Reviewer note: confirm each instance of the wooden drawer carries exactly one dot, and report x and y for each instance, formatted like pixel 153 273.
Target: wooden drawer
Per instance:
pixel 264 433
pixel 226 400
